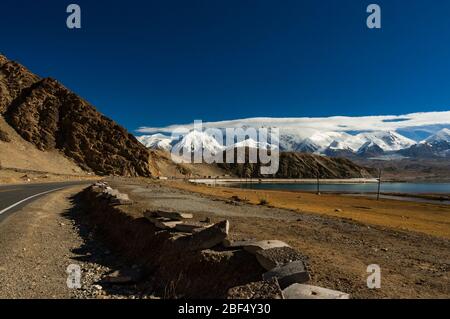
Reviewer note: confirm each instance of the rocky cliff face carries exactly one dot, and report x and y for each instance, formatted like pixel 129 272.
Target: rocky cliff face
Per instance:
pixel 50 116
pixel 13 79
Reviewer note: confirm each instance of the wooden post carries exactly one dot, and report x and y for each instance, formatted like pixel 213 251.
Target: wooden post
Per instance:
pixel 379 184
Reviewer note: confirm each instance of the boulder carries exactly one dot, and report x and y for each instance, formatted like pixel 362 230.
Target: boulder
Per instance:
pixel 253 247
pixel 206 238
pixel 288 274
pixel 299 291
pixel 276 257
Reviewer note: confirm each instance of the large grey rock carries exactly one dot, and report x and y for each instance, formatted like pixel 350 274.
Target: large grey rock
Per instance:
pixel 276 257
pixel 288 274
pixel 299 291
pixel 121 199
pixel 206 238
pixel 174 215
pixel 255 246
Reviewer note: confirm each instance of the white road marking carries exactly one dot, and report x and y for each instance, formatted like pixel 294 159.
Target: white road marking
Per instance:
pixel 28 198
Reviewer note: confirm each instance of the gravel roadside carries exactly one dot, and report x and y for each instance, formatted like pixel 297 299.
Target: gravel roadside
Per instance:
pixel 39 242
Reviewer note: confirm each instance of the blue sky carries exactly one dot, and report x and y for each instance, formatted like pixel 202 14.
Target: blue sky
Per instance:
pixel 155 63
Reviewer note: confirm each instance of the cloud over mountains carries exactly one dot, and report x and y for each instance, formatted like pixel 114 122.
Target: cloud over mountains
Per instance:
pixel 307 126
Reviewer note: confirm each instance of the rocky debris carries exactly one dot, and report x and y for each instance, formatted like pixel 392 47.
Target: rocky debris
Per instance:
pixel 288 274
pixel 253 247
pixel 299 291
pixel 206 238
pixel 276 257
pixel 188 239
pixel 101 185
pixel 121 199
pixel 191 227
pixel 124 276
pixel 4 137
pixel 173 215
pixel 163 223
pixel 257 290
pixel 237 243
pixel 50 116
pixel 114 195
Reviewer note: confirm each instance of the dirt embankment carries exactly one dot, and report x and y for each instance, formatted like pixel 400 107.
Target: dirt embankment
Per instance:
pixel 174 269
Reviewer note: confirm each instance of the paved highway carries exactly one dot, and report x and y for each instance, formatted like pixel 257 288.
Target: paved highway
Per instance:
pixel 14 197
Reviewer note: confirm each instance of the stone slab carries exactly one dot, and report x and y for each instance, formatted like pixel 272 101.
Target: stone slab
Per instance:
pixel 191 227
pixel 299 291
pixel 253 247
pixel 289 274
pixel 206 238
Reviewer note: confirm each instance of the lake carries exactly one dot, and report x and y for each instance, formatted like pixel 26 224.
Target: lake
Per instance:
pixel 406 188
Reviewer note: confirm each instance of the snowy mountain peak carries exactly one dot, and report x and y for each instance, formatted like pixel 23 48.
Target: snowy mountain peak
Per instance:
pixel 441 136
pixel 388 140
pixel 196 140
pixel 156 141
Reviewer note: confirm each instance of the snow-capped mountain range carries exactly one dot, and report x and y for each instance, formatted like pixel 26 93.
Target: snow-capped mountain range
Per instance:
pixel 385 135
pixel 329 143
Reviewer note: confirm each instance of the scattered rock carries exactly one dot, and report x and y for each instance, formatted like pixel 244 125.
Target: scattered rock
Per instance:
pixel 97 287
pixel 338 210
pixel 121 199
pixel 124 277
pixel 253 247
pixel 257 290
pixel 207 220
pixel 276 257
pixel 288 274
pixel 174 215
pixel 237 244
pixel 299 291
pixel 163 223
pixel 4 137
pixel 191 227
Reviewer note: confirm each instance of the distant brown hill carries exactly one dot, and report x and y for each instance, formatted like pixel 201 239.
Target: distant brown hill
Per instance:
pixel 52 117
pixel 303 165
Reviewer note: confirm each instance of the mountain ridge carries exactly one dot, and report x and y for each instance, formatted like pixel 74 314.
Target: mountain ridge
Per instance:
pixel 50 116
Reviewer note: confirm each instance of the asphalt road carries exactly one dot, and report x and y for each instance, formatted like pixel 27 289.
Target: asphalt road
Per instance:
pixel 15 197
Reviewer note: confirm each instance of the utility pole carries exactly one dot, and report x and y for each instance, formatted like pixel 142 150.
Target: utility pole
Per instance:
pixel 379 184
pixel 318 184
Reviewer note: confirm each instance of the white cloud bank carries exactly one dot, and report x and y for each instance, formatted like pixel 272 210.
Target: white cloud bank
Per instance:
pixel 323 124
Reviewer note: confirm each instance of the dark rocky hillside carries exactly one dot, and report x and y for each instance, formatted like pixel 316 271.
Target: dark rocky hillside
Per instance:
pixel 50 116
pixel 303 165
